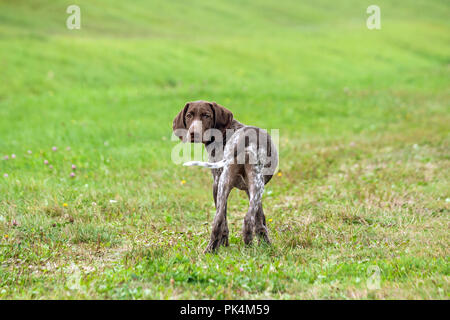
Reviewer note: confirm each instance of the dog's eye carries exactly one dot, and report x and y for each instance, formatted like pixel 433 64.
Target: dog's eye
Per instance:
pixel 189 115
pixel 206 116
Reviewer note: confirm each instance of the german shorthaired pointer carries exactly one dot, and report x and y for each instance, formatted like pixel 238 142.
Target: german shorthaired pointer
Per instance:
pixel 240 156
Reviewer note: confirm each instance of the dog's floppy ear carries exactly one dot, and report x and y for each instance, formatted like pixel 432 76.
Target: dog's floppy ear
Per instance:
pixel 180 122
pixel 222 116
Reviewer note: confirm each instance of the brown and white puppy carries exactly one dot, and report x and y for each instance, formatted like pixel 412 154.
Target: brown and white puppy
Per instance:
pixel 240 156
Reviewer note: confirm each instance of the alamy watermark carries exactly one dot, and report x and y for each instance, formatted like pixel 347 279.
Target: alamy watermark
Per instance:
pixel 74 20
pixel 374 277
pixel 374 20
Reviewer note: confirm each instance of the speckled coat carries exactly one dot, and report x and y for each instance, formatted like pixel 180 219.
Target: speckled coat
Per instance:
pixel 246 158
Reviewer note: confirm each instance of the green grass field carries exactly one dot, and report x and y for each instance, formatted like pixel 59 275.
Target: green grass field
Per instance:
pixel 364 149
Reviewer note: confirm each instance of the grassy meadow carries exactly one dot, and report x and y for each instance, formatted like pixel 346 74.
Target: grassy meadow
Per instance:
pixel 359 210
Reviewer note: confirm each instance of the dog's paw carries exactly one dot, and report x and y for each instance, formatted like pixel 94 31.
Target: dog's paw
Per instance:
pixel 211 247
pixel 263 235
pixel 214 244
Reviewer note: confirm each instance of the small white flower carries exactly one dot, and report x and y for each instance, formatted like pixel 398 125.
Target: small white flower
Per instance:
pixel 112 201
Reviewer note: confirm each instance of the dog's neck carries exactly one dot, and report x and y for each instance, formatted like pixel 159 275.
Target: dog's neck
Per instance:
pixel 211 146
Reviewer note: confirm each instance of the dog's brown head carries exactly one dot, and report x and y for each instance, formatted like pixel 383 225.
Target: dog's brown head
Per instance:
pixel 199 116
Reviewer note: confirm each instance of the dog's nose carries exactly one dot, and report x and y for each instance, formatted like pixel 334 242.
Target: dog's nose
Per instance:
pixel 195 136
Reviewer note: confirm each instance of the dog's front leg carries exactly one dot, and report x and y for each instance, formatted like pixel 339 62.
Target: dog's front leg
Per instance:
pixel 215 188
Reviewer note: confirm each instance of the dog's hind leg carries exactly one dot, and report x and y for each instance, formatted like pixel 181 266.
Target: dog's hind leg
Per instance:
pixel 219 233
pixel 261 229
pixel 255 183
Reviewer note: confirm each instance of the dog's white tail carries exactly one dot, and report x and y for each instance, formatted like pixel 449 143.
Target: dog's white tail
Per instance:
pixel 212 165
